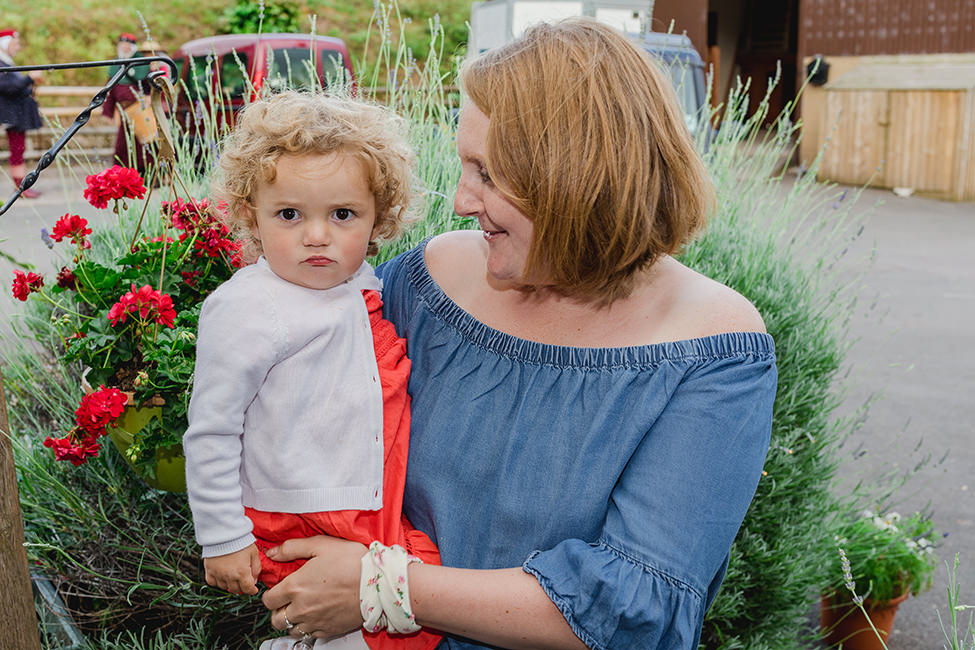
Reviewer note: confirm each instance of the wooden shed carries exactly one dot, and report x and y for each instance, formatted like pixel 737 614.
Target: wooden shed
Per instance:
pixel 899 121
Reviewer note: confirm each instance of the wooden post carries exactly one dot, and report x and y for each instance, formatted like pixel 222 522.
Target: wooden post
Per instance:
pixel 19 628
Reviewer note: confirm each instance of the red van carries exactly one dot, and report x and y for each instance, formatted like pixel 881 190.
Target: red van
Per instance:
pixel 234 67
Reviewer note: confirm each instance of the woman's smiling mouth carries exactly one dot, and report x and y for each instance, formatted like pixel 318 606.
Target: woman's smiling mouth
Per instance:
pixel 491 233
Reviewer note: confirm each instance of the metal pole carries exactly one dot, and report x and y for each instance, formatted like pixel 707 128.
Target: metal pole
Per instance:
pixel 31 177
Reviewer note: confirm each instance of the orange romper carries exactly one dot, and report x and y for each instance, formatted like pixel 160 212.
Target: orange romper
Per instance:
pixel 388 525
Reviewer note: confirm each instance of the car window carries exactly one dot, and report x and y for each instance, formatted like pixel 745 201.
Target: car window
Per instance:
pixel 293 68
pixel 199 77
pixel 682 76
pixel 333 68
pixel 233 75
pixel 178 60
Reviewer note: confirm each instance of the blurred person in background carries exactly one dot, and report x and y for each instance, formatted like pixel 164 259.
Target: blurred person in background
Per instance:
pixel 18 108
pixel 127 94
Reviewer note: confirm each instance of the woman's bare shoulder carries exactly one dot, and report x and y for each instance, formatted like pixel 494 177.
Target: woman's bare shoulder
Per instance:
pixel 452 259
pixel 700 306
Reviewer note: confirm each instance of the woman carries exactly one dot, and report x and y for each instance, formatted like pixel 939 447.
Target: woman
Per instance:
pixel 130 94
pixel 590 417
pixel 18 108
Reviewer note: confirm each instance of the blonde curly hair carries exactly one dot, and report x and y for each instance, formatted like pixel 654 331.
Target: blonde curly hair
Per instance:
pixel 294 122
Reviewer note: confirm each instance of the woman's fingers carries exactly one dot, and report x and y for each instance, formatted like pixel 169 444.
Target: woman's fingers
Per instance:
pixel 278 620
pixel 275 599
pixel 300 548
pixel 322 597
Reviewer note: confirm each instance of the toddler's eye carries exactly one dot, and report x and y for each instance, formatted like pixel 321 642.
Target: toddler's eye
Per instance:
pixel 288 214
pixel 343 214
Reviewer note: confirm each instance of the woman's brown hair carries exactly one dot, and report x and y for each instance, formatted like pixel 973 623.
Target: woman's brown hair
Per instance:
pixel 587 139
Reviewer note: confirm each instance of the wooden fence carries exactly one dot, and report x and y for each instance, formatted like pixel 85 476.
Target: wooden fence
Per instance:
pixel 895 121
pixel 60 105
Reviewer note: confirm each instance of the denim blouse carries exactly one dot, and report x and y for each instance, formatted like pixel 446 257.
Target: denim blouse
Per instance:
pixel 618 477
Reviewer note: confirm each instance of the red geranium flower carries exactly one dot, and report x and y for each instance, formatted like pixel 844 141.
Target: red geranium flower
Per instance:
pixel 100 409
pixel 237 259
pixel 67 278
pixel 114 183
pixel 213 241
pixel 76 452
pixel 189 277
pixel 187 215
pixel 146 302
pixel 74 227
pixel 25 284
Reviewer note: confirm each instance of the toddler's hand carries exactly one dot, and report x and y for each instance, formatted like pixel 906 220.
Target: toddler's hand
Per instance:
pixel 235 572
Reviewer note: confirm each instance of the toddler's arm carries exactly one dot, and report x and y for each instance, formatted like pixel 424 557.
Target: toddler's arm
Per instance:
pixel 235 572
pixel 235 350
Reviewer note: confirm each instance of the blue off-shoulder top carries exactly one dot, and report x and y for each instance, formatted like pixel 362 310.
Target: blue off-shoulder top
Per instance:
pixel 618 477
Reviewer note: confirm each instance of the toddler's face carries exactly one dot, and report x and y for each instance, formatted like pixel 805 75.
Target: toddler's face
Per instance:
pixel 315 220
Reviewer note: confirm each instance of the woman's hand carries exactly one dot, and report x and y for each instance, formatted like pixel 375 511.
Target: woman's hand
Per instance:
pixel 322 597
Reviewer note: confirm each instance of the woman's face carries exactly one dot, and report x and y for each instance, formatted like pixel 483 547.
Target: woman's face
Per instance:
pixel 507 231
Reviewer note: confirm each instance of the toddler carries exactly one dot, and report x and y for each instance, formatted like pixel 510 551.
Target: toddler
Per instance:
pixel 299 418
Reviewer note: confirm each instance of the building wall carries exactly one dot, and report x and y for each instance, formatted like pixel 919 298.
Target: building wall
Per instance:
pixel 690 16
pixel 868 27
pixel 729 15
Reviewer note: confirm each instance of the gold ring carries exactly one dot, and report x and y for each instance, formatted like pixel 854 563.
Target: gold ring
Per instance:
pixel 287 624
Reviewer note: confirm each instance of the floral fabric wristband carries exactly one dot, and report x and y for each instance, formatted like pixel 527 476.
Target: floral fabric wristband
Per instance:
pixel 384 593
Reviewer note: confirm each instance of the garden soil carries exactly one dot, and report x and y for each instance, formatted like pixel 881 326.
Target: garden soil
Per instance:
pixel 914 330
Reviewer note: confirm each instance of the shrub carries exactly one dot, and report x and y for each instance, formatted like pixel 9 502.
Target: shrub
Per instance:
pixel 775 239
pixel 250 17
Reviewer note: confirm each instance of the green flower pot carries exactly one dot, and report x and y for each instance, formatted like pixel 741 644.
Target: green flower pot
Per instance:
pixel 170 463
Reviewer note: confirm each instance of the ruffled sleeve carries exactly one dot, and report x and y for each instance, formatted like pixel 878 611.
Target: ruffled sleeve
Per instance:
pixel 672 516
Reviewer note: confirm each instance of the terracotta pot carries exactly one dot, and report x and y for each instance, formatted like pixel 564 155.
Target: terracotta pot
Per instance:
pixel 843 622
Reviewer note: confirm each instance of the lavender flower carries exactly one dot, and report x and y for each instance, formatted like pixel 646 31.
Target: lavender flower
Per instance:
pixel 848 577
